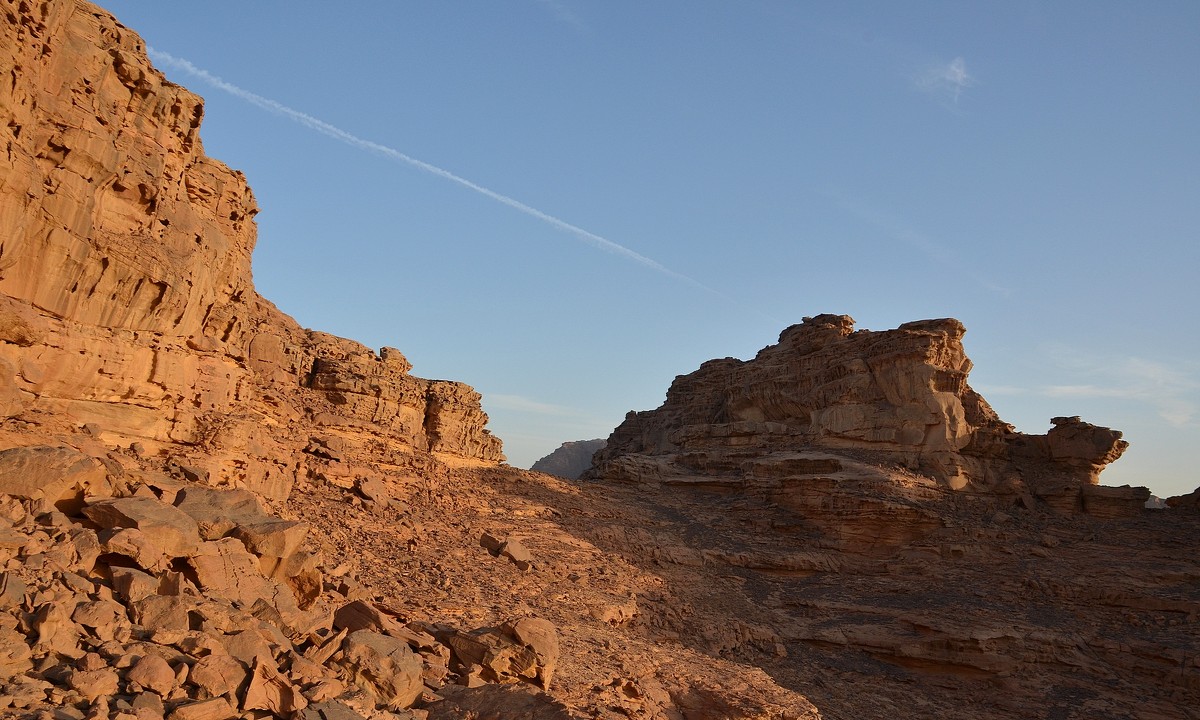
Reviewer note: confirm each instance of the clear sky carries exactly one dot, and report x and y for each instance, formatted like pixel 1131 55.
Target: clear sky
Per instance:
pixel 616 191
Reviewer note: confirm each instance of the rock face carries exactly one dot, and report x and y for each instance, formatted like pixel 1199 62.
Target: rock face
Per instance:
pixel 571 459
pixel 898 397
pixel 126 300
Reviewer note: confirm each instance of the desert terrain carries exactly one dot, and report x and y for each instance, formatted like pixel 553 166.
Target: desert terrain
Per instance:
pixel 210 512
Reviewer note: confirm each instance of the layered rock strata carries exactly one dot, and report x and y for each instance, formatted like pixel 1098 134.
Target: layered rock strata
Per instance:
pixel 898 397
pixel 126 299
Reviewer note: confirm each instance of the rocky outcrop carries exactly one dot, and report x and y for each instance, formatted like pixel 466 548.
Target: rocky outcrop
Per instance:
pixel 855 506
pixel 897 397
pixel 1189 502
pixel 126 299
pixel 571 459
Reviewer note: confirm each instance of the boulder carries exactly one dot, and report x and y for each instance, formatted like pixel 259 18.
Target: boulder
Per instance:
pixel 362 615
pixel 522 649
pixel 163 613
pixel 225 568
pixel 54 477
pixel 16 657
pixel 95 684
pixel 271 538
pixel 12 590
pixel 384 665
pixel 270 690
pixel 542 637
pixel 171 529
pixel 218 674
pixel 213 709
pixel 217 511
pixel 152 673
pixel 515 551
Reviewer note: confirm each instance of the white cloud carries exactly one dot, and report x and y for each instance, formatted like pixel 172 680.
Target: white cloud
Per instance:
pixel 946 81
pixel 1173 391
pixel 1170 390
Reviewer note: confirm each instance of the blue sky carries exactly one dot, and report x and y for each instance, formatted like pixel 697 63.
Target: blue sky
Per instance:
pixel 1030 168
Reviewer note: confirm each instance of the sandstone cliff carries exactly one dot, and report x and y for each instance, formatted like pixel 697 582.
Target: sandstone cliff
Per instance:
pixel 207 511
pixel 898 397
pixel 126 300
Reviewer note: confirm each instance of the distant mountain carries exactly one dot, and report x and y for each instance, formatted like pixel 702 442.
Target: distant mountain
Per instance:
pixel 571 459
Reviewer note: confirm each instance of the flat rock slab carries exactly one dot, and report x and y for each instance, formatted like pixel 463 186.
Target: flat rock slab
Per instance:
pixel 60 477
pixel 173 530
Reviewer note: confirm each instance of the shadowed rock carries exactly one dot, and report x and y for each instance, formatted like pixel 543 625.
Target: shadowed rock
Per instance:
pixel 571 459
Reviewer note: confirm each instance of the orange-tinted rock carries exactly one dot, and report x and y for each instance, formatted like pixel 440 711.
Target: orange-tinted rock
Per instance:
pixel 216 675
pixel 152 673
pixel 385 665
pixel 897 397
pixel 54 477
pixel 169 528
pixel 126 299
pixel 270 690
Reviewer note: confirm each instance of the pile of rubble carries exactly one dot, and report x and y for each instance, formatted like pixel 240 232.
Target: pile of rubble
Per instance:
pixel 133 594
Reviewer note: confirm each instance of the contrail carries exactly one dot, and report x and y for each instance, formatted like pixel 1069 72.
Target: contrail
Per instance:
pixel 353 140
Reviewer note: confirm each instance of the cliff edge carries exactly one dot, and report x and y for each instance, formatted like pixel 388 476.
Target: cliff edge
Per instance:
pixel 126 299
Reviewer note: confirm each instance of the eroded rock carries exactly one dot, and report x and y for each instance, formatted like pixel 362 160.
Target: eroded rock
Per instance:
pixel 898 397
pixel 385 665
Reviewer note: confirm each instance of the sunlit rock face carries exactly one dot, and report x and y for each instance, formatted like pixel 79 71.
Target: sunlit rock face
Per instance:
pixel 895 397
pixel 126 298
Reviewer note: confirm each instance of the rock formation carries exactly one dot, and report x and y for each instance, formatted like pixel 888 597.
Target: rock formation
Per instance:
pixel 207 512
pixel 571 459
pixel 856 507
pixel 126 300
pixel 898 397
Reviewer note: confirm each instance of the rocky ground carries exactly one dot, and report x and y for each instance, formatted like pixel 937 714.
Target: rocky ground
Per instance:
pixel 133 591
pixel 661 603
